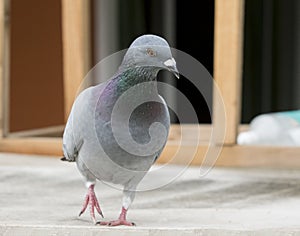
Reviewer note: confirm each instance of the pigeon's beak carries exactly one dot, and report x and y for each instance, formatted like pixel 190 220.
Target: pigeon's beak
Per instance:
pixel 171 66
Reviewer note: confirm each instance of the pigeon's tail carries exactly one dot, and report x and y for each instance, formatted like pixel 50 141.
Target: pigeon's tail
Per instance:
pixel 65 159
pixel 70 154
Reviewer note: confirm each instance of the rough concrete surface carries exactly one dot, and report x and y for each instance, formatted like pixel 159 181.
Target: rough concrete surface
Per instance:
pixel 43 196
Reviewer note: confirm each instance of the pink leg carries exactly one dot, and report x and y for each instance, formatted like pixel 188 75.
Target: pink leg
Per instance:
pixel 121 221
pixel 91 199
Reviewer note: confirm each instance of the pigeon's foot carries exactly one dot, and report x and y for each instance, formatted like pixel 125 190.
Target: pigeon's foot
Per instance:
pixel 121 221
pixel 116 223
pixel 91 200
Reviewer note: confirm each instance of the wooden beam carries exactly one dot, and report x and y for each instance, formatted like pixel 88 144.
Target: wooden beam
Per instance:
pixel 39 146
pixel 1 62
pixel 182 152
pixel 236 156
pixel 76 47
pixel 230 156
pixel 5 56
pixel 51 131
pixel 228 60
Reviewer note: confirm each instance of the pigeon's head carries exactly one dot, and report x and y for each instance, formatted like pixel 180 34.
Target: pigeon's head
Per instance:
pixel 150 51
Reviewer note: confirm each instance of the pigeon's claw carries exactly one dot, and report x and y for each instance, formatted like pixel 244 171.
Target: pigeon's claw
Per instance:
pixel 91 199
pixel 121 221
pixel 116 223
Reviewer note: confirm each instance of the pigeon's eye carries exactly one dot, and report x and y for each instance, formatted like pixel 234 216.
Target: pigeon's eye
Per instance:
pixel 151 52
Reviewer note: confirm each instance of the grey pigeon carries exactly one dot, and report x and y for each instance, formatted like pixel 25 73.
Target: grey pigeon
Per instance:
pixel 117 129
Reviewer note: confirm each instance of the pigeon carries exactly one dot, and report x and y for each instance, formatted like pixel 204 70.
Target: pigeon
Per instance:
pixel 116 130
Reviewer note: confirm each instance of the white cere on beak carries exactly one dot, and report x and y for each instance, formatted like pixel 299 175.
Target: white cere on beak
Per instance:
pixel 170 63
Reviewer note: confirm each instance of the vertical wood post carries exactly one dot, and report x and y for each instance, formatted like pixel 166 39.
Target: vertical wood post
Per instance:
pixel 228 61
pixel 4 65
pixel 1 63
pixel 76 47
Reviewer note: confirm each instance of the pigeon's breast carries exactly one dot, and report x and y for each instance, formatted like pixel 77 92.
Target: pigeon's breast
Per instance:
pixel 128 142
pixel 143 117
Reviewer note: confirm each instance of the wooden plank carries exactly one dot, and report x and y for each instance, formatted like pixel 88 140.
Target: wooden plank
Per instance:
pixel 5 63
pixel 230 156
pixel 228 47
pixel 235 156
pixel 76 47
pixel 260 156
pixel 39 146
pixel 1 61
pixel 188 152
pixel 51 131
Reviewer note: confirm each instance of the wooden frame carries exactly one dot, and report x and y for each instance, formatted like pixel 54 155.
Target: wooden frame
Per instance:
pixel 2 40
pixel 228 60
pixel 4 64
pixel 18 81
pixel 76 47
pixel 227 71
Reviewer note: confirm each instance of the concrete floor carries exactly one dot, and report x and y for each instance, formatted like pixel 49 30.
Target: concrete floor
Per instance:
pixel 42 196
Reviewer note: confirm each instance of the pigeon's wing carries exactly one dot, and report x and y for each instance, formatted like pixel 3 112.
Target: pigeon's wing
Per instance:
pixel 79 121
pixel 166 123
pixel 71 142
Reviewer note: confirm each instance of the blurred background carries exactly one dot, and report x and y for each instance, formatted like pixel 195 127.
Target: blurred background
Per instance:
pixel 271 75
